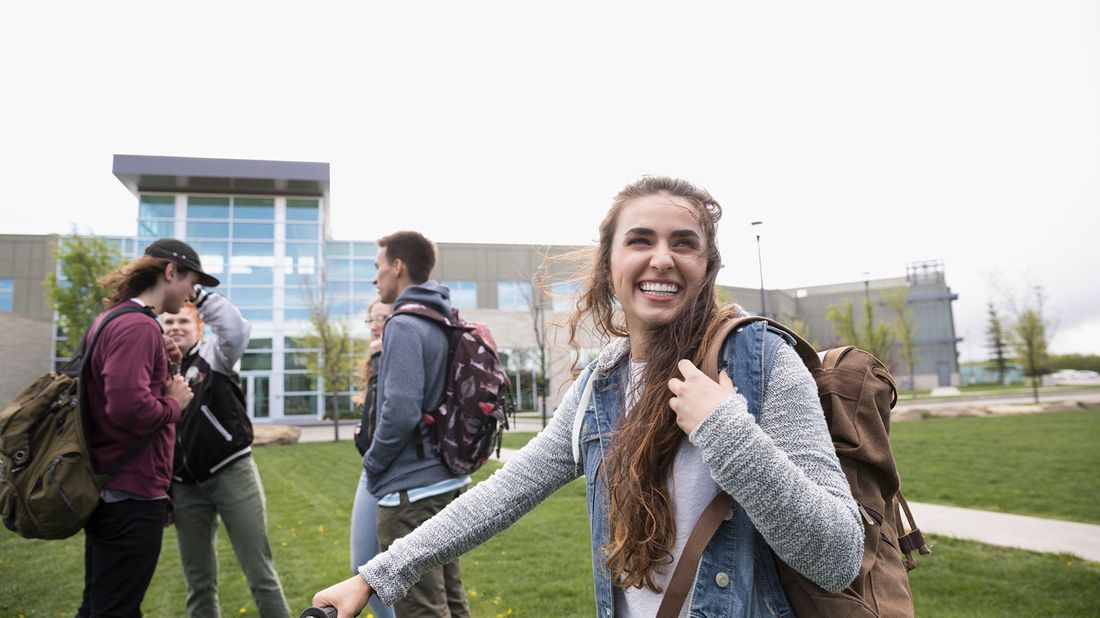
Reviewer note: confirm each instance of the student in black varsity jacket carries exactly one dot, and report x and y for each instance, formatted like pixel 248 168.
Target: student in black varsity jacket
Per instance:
pixel 214 473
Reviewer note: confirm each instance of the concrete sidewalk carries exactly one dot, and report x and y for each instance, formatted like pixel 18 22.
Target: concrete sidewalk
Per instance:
pixel 1032 533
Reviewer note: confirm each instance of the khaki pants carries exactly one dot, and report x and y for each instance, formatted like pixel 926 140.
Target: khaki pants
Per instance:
pixel 439 591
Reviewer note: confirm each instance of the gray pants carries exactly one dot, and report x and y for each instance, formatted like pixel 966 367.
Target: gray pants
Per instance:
pixel 439 592
pixel 236 494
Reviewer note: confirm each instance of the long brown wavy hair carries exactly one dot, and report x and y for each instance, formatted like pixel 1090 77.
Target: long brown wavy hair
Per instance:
pixel 134 278
pixel 642 528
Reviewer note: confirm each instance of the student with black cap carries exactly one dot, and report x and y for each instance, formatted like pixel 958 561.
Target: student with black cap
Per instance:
pixel 133 401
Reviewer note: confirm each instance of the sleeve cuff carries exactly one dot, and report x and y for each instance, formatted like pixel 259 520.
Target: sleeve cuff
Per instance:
pixel 718 426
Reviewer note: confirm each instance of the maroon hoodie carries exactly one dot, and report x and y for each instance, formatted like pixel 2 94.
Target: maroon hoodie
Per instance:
pixel 124 379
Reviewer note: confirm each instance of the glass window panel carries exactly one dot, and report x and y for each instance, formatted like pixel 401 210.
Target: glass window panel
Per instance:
pixel 260 344
pixel 254 208
pixel 297 360
pixel 156 229
pixel 302 231
pixel 296 297
pixel 364 270
pixel 213 255
pixel 202 207
pixel 513 295
pixel 336 248
pixel 207 230
pixel 299 382
pixel 256 314
pixel 251 297
pixel 253 230
pixel 296 314
pixel 254 248
pixel 302 259
pixel 338 269
pixel 163 206
pixel 299 405
pixel 255 361
pixel 301 210
pixel 366 249
pixel 7 288
pixel 341 308
pixel 564 296
pixel 463 294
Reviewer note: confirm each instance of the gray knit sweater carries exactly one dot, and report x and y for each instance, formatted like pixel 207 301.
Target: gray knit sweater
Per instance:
pixel 784 472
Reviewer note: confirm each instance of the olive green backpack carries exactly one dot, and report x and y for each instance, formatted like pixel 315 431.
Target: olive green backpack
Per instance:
pixel 48 485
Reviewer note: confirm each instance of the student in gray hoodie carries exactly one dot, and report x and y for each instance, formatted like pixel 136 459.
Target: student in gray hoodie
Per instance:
pixel 409 479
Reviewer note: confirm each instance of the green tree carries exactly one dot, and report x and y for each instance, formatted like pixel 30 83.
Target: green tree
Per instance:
pixel 800 327
pixel 76 295
pixel 1029 339
pixel 996 342
pixel 869 336
pixel 905 330
pixel 333 364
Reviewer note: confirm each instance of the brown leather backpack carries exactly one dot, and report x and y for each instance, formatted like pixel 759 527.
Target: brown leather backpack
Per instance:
pixel 857 393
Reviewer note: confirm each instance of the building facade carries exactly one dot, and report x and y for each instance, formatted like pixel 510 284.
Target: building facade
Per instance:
pixel 262 228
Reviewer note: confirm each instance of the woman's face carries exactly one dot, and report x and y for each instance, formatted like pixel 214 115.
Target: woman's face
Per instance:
pixel 377 318
pixel 658 260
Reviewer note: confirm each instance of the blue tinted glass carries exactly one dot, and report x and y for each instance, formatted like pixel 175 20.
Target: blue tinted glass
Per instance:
pixel 213 255
pixel 259 249
pixel 297 314
pixel 366 249
pixel 337 248
pixel 7 287
pixel 302 231
pixel 253 230
pixel 301 210
pixel 338 269
pixel 163 206
pixel 513 295
pixel 364 270
pixel 207 207
pixel 463 294
pixel 156 229
pixel 207 230
pixel 253 208
pixel 295 296
pixel 256 315
pixel 564 296
pixel 250 297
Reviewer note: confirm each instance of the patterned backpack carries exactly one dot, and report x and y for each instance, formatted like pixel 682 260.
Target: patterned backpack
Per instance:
pixel 477 399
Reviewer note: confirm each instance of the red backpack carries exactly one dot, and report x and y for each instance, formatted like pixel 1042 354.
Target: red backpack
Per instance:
pixel 477 398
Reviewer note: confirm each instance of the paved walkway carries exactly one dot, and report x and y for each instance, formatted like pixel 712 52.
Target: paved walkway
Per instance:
pixel 1031 533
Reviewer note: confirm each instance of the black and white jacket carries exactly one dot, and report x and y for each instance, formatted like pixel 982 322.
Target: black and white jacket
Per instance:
pixel 214 430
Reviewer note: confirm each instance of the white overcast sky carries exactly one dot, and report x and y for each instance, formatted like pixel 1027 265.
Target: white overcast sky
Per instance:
pixel 864 134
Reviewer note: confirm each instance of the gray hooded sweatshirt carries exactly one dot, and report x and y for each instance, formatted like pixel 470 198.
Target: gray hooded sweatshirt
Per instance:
pixel 410 380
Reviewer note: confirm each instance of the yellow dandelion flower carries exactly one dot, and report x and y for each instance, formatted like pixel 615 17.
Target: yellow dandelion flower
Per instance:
pixel 472 594
pixel 321 528
pixel 244 610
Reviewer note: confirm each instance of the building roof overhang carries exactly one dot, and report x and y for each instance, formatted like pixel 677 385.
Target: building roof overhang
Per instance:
pixel 141 173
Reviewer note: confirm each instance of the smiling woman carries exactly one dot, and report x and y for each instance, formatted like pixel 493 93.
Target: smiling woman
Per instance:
pixel 657 440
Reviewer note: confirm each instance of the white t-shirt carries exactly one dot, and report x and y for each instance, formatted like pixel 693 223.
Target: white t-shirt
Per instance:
pixel 691 489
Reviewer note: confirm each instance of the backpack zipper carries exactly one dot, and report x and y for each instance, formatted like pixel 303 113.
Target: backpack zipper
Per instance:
pixel 51 478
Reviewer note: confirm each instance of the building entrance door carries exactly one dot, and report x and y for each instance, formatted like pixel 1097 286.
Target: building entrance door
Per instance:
pixel 257 393
pixel 943 372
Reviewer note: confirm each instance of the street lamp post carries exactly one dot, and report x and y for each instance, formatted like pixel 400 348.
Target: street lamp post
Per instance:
pixel 760 264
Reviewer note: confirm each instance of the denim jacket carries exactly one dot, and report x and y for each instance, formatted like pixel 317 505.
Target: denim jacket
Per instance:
pixel 737 575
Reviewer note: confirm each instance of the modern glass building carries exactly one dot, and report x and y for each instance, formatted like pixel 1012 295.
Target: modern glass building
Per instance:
pixel 259 227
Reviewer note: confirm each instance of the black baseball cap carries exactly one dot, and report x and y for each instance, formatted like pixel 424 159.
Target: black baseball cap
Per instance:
pixel 182 254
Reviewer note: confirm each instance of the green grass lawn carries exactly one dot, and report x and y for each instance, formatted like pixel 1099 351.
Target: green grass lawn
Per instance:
pixel 541 566
pixel 1031 464
pixel 516 439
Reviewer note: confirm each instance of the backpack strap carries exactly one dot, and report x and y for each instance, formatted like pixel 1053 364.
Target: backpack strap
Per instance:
pixel 452 329
pixel 684 575
pixel 578 415
pixel 718 335
pixel 75 368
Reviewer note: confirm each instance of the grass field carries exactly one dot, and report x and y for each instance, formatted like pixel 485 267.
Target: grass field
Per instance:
pixel 541 567
pixel 1032 464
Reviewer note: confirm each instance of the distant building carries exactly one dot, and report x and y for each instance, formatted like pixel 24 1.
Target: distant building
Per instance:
pixel 263 228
